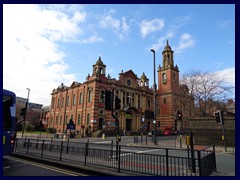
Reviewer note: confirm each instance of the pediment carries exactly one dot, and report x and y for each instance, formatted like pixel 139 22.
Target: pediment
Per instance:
pixel 130 74
pixel 75 83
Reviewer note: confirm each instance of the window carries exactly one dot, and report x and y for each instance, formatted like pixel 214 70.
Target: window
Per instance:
pixel 56 120
pixel 174 76
pixel 89 95
pixel 67 101
pixel 53 102
pixel 60 120
pixel 149 103
pixel 72 117
pixel 88 119
pixel 133 100
pixel 66 119
pixel 63 102
pixel 80 98
pixel 58 103
pixel 164 78
pixel 102 96
pixel 164 100
pixel 139 101
pixel 74 99
pixel 79 119
pixel 158 111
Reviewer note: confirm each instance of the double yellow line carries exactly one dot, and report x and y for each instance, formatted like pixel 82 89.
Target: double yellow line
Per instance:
pixel 63 171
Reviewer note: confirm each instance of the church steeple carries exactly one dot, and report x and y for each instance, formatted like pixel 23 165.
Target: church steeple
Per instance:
pixel 167 56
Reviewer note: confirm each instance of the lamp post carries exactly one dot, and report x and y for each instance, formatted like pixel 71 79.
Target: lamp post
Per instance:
pixel 24 117
pixel 154 96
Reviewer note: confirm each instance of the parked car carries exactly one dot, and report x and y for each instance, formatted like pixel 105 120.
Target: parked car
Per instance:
pixel 169 131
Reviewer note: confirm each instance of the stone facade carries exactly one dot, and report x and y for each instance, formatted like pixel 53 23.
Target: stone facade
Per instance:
pixel 84 102
pixel 207 131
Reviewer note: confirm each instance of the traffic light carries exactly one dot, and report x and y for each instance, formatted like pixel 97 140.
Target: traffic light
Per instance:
pixel 117 103
pixel 179 116
pixel 219 116
pixel 107 98
pixel 22 112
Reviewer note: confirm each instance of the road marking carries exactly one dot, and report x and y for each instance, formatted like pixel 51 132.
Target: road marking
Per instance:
pixel 6 167
pixel 138 152
pixel 101 142
pixel 63 171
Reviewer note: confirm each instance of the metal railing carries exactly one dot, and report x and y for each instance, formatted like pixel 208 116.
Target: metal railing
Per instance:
pixel 152 161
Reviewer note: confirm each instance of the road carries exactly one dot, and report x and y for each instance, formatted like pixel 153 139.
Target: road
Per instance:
pixel 226 164
pixel 13 166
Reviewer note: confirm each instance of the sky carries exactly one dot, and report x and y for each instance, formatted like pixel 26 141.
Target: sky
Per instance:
pixel 46 45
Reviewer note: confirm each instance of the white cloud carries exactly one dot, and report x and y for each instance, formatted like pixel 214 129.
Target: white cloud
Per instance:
pixel 225 23
pixel 31 55
pixel 92 39
pixel 162 41
pixel 228 75
pixel 119 26
pixel 148 27
pixel 186 41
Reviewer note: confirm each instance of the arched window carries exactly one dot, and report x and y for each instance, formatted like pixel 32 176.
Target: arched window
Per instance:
pixel 149 103
pixel 164 78
pixel 102 96
pixel 89 95
pixel 101 71
pixel 80 98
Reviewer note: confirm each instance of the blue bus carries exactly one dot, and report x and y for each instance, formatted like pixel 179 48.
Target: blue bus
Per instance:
pixel 9 121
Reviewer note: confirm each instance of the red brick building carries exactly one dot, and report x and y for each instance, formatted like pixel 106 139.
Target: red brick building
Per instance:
pixel 84 102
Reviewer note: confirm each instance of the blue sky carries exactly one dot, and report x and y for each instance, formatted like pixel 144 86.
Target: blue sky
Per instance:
pixel 54 44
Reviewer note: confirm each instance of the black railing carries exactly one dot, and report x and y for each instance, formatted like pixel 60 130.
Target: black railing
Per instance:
pixel 152 161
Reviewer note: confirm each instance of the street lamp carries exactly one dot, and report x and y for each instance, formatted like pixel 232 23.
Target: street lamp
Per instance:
pixel 24 117
pixel 154 96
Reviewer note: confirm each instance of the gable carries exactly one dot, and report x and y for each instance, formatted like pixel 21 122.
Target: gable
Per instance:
pixel 130 74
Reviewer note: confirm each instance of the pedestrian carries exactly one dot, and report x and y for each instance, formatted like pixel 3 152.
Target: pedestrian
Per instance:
pixel 124 132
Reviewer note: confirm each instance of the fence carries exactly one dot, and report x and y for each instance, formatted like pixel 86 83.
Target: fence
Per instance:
pixel 152 161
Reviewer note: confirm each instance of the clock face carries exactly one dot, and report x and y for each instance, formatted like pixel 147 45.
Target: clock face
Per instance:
pixel 129 82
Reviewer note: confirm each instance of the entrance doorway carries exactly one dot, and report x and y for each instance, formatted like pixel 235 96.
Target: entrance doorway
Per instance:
pixel 148 126
pixel 128 124
pixel 100 123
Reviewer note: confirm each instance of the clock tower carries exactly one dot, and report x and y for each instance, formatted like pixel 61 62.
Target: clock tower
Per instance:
pixel 168 89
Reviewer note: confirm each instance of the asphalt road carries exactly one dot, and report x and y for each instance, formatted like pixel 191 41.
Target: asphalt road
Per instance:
pixel 13 166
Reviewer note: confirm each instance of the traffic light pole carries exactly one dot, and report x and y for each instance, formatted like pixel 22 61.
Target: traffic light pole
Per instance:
pixel 223 128
pixel 25 113
pixel 117 125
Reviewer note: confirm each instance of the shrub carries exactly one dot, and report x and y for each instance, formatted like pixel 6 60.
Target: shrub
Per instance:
pixel 29 128
pixel 51 130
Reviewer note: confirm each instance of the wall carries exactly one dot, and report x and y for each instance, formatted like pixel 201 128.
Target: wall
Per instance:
pixel 206 131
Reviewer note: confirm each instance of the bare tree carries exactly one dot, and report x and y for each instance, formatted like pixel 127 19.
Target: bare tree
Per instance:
pixel 205 87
